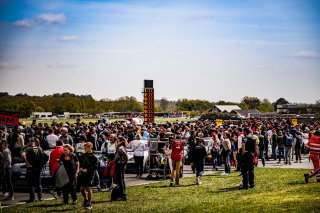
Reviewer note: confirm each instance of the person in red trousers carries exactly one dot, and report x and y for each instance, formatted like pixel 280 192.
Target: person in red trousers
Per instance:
pixel 314 146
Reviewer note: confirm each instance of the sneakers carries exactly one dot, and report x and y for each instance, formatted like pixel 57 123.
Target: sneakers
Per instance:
pixel 198 182
pixel 306 178
pixel 225 174
pixel 171 184
pixel 177 184
pixel 5 194
pixel 89 206
pixel 85 203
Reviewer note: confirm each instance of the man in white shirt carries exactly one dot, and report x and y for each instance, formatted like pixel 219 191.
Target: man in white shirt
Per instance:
pixel 52 139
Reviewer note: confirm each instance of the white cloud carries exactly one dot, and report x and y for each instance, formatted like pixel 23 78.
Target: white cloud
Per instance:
pixel 25 23
pixel 50 18
pixel 305 54
pixel 57 65
pixel 69 38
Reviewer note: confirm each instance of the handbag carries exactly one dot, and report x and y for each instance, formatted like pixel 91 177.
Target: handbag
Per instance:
pixel 61 177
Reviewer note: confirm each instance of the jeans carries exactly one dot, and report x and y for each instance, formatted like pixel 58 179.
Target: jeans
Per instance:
pixel 175 170
pixel 298 154
pixel 287 154
pixel 247 169
pixel 214 159
pixel 34 181
pixel 261 156
pixel 226 159
pixel 138 161
pixel 7 182
pixel 69 188
pixel 199 165
pixel 281 153
pixel 274 153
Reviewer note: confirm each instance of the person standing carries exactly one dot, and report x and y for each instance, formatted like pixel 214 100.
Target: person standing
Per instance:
pixel 288 147
pixel 65 137
pixel 314 146
pixel 138 147
pixel 33 158
pixel 52 138
pixel 176 158
pixel 2 165
pixel 214 152
pixel 71 164
pixel 261 148
pixel 281 139
pixel 54 165
pixel 274 142
pixel 198 154
pixel 121 159
pixel 226 144
pixel 7 183
pixel 247 167
pixel 88 164
pixel 298 146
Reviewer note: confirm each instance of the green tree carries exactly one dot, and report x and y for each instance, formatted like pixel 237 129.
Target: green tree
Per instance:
pixel 266 106
pixel 39 109
pixel 164 103
pixel 252 102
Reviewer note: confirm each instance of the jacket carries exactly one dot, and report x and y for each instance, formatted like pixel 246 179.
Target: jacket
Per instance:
pixel 54 156
pixel 314 145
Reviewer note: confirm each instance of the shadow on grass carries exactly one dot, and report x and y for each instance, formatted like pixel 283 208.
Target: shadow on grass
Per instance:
pixel 297 182
pixel 46 205
pixel 167 186
pixel 62 210
pixel 235 188
pixel 101 201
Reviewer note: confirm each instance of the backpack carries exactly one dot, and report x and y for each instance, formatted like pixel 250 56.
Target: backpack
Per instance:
pixel 116 193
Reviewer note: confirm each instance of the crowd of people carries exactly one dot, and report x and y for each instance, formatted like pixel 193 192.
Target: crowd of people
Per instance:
pixel 237 144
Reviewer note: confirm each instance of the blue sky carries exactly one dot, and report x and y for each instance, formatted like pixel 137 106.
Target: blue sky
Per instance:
pixel 213 50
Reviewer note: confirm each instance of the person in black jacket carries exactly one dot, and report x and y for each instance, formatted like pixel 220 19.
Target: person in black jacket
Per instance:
pixel 198 154
pixel 247 167
pixel 88 164
pixel 33 158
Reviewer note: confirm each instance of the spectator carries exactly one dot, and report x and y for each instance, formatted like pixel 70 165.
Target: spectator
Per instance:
pixel 7 183
pixel 54 165
pixel 214 152
pixel 52 138
pixel 198 154
pixel 65 137
pixel 71 164
pixel 88 164
pixel 281 139
pixel 226 144
pixel 288 147
pixel 176 157
pixel 274 142
pixel 298 146
pixel 247 167
pixel 33 159
pixel 313 145
pixel 261 148
pixel 121 160
pixel 138 147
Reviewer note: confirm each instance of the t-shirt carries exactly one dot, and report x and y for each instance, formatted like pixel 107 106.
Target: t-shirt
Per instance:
pixel 52 139
pixel 177 148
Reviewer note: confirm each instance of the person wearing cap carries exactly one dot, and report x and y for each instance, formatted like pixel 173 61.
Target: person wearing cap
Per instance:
pixel 314 146
pixel 32 156
pixel 7 183
pixel 88 164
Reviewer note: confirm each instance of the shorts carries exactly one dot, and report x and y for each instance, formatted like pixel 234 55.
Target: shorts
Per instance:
pixel 85 180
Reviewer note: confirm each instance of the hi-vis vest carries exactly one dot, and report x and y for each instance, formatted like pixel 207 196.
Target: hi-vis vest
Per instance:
pixel 314 145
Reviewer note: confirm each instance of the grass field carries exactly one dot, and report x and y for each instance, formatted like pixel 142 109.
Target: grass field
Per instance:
pixel 277 190
pixel 88 120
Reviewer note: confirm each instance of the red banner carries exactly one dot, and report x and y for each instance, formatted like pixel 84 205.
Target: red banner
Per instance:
pixel 9 118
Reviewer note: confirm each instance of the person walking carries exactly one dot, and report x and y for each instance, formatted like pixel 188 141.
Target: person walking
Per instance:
pixel 32 155
pixel 198 154
pixel 54 165
pixel 247 167
pixel 7 183
pixel 176 158
pixel 88 164
pixel 121 159
pixel 71 164
pixel 314 146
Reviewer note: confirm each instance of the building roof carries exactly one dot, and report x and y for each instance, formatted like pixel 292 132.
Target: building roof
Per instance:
pixel 226 108
pixel 245 112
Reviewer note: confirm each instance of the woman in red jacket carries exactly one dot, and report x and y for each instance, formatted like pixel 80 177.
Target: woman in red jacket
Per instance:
pixel 54 165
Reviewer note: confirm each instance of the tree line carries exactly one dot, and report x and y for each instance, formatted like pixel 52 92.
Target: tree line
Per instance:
pixel 68 102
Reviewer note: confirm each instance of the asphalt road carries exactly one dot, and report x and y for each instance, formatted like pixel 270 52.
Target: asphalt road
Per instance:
pixel 22 196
